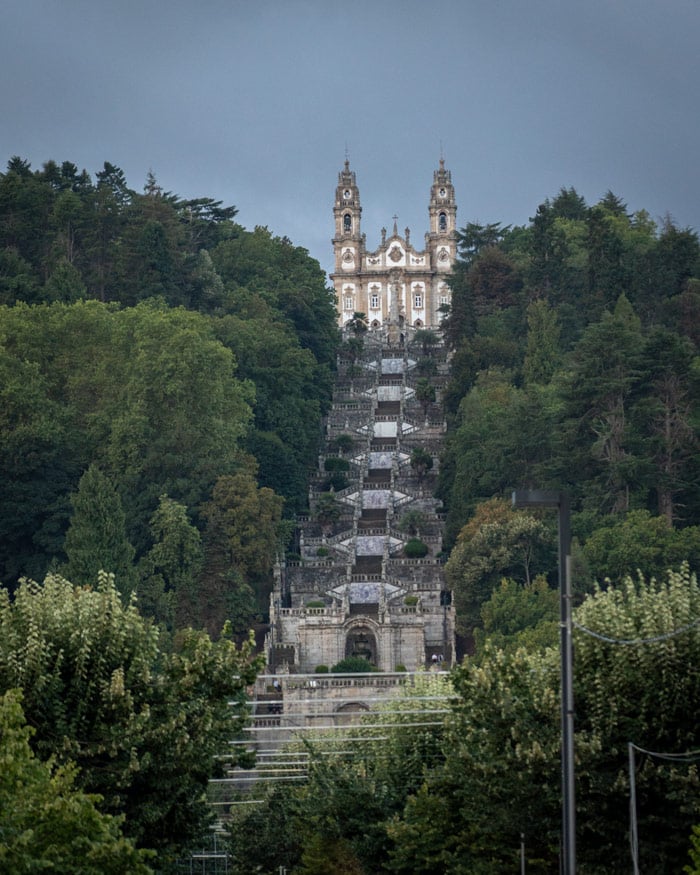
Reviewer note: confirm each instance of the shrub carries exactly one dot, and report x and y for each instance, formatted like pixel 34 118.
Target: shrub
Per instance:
pixel 321 669
pixel 336 481
pixel 317 603
pixel 415 549
pixel 411 600
pixel 322 551
pixel 400 667
pixel 334 463
pixel 343 443
pixel 354 665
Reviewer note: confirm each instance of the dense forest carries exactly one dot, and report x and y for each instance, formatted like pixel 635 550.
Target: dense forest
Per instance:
pixel 163 374
pixel 575 367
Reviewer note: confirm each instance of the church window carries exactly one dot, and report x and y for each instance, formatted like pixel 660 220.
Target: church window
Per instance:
pixel 347 223
pixel 418 301
pixel 374 302
pixel 442 222
pixel 348 302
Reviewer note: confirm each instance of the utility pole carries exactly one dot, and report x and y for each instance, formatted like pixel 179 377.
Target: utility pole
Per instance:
pixel 560 500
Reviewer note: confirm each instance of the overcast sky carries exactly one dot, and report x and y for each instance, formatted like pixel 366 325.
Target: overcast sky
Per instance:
pixel 254 102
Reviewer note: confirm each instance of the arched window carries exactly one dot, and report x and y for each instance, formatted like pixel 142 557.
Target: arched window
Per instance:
pixel 442 222
pixel 347 223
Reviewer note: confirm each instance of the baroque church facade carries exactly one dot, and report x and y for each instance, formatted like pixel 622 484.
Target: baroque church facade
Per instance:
pixel 395 282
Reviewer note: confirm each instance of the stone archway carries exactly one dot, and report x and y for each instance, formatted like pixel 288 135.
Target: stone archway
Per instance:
pixel 361 641
pixel 349 713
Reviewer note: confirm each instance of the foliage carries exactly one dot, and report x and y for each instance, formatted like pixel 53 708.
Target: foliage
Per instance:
pixel 353 665
pixel 347 806
pixel 426 339
pixel 421 461
pixel 141 723
pixel 47 823
pixel 169 571
pixel 425 393
pixel 502 745
pixel 497 542
pixel 242 538
pixel 599 397
pixel 333 463
pixel 343 443
pixel 694 853
pixel 328 510
pixel 266 836
pixel 412 521
pixel 112 366
pixel 640 542
pixel 96 537
pixel 336 482
pixel 414 548
pixel 145 394
pixel 520 615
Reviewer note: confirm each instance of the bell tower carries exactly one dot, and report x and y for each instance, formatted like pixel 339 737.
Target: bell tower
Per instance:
pixel 348 243
pixel 347 209
pixel 443 210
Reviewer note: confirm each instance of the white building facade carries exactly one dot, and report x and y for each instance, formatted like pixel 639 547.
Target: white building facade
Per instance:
pixel 395 281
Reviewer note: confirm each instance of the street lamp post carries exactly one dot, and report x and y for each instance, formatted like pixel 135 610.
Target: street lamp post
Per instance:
pixel 560 500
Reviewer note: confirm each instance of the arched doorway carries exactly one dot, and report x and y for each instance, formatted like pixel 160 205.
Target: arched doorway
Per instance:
pixel 361 642
pixel 350 713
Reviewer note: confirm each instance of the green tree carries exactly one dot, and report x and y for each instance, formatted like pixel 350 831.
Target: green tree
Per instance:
pixel 411 522
pixel 142 724
pixel 497 542
pixel 242 537
pixel 543 353
pixel 694 853
pixel 183 412
pixel 426 339
pixel 328 511
pixel 37 466
pixel 503 436
pixel 47 823
pixel 520 615
pixel 502 746
pixel 65 284
pixel 663 417
pixel 421 462
pixel 353 665
pixel 265 836
pixel 168 573
pixel 597 394
pixel 425 393
pixel 639 542
pixel 96 538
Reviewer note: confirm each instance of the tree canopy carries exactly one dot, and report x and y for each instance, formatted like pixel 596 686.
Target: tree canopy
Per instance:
pixel 141 722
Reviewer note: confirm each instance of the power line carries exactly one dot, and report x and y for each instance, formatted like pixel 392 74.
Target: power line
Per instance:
pixel 634 641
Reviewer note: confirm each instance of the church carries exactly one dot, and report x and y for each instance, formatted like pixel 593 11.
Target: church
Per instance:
pixel 394 282
pixel 367 578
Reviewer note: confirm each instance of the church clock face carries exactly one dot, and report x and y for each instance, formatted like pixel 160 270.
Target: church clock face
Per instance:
pixel 346 194
pixel 443 192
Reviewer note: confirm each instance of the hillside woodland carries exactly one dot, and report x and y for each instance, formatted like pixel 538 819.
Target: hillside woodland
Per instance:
pixel 163 375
